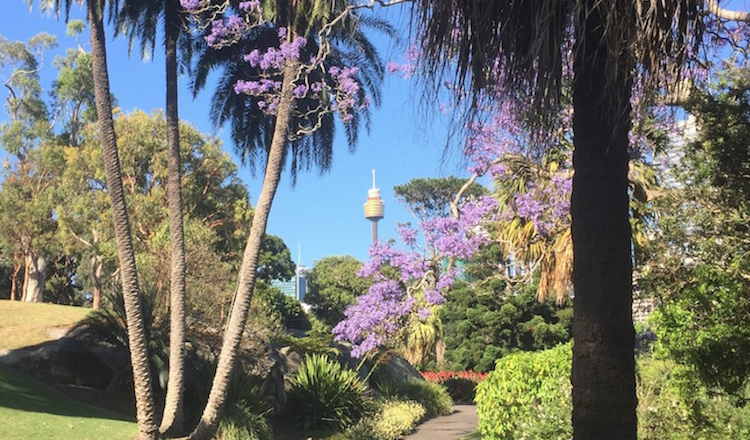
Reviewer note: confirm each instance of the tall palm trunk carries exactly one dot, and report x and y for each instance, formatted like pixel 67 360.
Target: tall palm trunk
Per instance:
pixel 172 419
pixel 207 425
pixel 604 400
pixel 129 279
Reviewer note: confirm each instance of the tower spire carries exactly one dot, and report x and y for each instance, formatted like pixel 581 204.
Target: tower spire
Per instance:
pixel 374 208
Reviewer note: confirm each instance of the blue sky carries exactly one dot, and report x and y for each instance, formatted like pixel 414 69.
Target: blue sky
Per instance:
pixel 323 213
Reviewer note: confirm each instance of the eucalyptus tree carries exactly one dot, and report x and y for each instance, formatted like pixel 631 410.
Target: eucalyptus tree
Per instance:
pixel 522 47
pixel 27 218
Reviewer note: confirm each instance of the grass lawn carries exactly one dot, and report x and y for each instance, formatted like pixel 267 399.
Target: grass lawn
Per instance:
pixel 31 410
pixel 24 324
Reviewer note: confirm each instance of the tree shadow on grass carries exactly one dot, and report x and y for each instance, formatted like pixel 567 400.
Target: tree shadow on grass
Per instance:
pixel 26 394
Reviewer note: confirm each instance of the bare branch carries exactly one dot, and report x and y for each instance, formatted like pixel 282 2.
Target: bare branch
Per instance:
pixel 726 14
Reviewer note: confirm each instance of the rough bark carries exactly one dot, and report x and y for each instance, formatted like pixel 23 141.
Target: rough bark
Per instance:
pixel 209 420
pixel 36 266
pixel 129 279
pixel 604 399
pixel 173 417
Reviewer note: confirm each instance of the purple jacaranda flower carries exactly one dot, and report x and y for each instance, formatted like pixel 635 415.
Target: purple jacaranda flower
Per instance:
pixel 190 4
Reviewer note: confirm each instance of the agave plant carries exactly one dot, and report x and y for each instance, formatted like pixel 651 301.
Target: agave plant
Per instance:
pixel 325 396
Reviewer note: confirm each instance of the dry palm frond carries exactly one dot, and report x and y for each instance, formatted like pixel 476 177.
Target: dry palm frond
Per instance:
pixel 524 45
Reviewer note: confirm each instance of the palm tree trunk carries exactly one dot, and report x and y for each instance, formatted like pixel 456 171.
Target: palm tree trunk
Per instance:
pixel 172 419
pixel 144 396
pixel 604 399
pixel 209 420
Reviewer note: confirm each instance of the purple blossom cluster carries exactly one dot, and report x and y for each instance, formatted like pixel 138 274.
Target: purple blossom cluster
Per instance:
pixel 546 204
pixel 345 87
pixel 226 31
pixel 375 318
pixel 347 91
pixel 378 316
pixel 253 5
pixel 190 5
pixel 409 66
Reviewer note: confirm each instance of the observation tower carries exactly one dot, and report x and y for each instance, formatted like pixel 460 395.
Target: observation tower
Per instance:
pixel 374 208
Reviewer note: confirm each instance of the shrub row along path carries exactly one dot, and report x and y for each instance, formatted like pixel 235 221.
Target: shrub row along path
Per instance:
pixel 451 427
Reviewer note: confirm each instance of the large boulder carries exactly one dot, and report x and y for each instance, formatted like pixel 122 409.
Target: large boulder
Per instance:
pixel 64 362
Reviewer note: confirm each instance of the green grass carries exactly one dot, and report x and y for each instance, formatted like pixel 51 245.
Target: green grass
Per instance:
pixel 24 324
pixel 31 410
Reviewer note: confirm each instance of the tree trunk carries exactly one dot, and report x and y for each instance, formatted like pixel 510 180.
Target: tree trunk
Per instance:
pixel 604 398
pixel 144 396
pixel 17 266
pixel 172 419
pixel 209 420
pixel 35 278
pixel 96 281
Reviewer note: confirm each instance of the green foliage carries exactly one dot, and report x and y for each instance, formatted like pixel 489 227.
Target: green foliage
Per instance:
pixel 244 417
pixel 527 396
pixel 461 390
pixel 432 396
pixel 308 344
pixel 325 395
pixel 332 285
pixel 697 264
pixel 674 405
pixel 108 325
pixel 393 419
pixel 431 198
pixel 482 323
pixel 707 327
pixel 286 309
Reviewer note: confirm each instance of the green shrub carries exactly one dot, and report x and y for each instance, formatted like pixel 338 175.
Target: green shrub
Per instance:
pixel 433 397
pixel 674 405
pixel 324 395
pixel 240 422
pixel 245 409
pixel 392 420
pixel 527 396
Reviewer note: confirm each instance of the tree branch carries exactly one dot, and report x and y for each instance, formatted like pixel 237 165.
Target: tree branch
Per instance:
pixel 726 14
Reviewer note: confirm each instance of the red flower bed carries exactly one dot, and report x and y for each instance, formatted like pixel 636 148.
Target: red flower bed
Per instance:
pixel 461 385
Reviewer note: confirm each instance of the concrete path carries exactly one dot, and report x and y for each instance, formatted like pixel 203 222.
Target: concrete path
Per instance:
pixel 452 427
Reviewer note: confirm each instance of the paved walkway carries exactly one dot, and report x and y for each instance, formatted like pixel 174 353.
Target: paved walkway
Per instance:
pixel 452 427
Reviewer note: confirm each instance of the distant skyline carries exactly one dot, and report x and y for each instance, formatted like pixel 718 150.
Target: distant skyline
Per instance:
pixel 322 214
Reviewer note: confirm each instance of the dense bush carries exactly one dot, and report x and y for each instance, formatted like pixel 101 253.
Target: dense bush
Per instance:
pixel 461 385
pixel 432 396
pixel 392 420
pixel 527 396
pixel 482 323
pixel 325 396
pixel 244 416
pixel 674 405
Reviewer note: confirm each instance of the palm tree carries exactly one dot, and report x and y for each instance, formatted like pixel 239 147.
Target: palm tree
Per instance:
pixel 291 134
pixel 128 274
pixel 139 18
pixel 523 43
